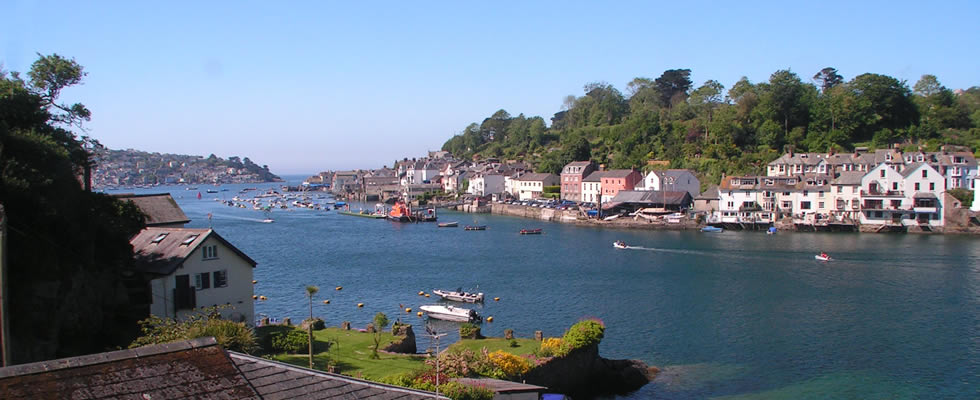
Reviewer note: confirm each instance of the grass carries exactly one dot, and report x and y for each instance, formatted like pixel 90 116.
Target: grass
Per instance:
pixel 524 346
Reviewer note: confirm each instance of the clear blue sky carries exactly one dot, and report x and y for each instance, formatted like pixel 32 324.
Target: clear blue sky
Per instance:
pixel 310 86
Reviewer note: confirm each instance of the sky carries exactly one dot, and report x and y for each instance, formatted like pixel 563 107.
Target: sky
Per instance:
pixel 311 86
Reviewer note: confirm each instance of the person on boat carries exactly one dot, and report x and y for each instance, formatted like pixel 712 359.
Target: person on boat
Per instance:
pixel 824 255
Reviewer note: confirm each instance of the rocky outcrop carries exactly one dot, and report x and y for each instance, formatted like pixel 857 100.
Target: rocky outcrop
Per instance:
pixel 583 374
pixel 404 340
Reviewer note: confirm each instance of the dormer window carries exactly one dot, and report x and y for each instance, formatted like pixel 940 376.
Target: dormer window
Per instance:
pixel 190 239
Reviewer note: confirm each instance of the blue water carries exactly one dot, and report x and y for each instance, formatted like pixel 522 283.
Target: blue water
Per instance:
pixel 737 315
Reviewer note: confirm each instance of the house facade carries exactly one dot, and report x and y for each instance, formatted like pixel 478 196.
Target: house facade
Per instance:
pixel 194 268
pixel 486 184
pixel 680 180
pixel 571 179
pixel 616 180
pixel 530 186
pixel 592 187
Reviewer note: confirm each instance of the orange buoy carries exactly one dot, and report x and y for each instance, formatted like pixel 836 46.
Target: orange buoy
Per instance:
pixel 360 305
pixel 489 319
pixel 419 313
pixel 262 297
pixel 496 299
pixel 339 287
pixel 254 282
pixel 408 309
pixel 254 297
pixel 426 295
pixel 421 293
pixel 326 302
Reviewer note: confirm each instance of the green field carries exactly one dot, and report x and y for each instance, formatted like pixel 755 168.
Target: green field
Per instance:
pixel 524 346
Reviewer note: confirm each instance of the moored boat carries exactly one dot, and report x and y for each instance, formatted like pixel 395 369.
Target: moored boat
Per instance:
pixel 711 229
pixel 459 295
pixel 400 212
pixel 475 227
pixel 450 313
pixel 531 231
pixel 448 224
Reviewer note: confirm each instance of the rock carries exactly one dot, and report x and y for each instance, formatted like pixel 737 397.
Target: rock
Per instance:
pixel 318 324
pixel 404 340
pixel 538 335
pixel 508 334
pixel 286 321
pixel 345 325
pixel 370 328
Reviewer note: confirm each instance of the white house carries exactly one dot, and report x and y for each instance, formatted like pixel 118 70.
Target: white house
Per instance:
pixel 846 195
pixel 193 268
pixel 486 184
pixel 882 196
pixel 592 187
pixel 530 186
pixel 737 199
pixel 677 180
pixel 924 193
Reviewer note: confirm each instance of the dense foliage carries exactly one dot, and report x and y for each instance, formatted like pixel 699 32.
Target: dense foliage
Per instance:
pixel 207 322
pixel 713 131
pixel 288 341
pixel 584 333
pixel 69 256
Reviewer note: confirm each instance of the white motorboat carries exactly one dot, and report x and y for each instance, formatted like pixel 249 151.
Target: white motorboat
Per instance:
pixel 822 257
pixel 459 295
pixel 450 313
pixel 620 244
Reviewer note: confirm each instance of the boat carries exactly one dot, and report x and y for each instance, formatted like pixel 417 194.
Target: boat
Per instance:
pixel 448 224
pixel 771 231
pixel 400 212
pixel 212 191
pixel 450 313
pixel 268 221
pixel 459 295
pixel 822 257
pixel 475 228
pixel 619 244
pixel 531 231
pixel 711 229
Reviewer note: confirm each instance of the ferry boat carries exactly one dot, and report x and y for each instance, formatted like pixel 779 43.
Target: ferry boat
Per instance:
pixel 459 295
pixel 450 313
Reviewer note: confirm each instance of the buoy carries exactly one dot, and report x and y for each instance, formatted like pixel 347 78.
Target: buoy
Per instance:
pixel 426 295
pixel 419 313
pixel 262 297
pixel 326 302
pixel 489 319
pixel 408 309
pixel 254 297
pixel 421 293
pixel 496 299
pixel 339 287
pixel 360 305
pixel 254 282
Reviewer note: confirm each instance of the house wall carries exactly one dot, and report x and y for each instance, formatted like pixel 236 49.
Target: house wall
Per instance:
pixel 591 191
pixel 932 179
pixel 237 293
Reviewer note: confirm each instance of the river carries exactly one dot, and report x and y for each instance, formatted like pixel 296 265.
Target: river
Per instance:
pixel 725 315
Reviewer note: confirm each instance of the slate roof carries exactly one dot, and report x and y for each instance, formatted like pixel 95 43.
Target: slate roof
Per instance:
pixel 160 208
pixel 276 380
pixel 192 369
pixel 618 173
pixel 910 169
pixel 536 177
pixel 596 176
pixel 501 386
pixel 163 256
pixel 648 197
pixel 849 178
pixel 710 194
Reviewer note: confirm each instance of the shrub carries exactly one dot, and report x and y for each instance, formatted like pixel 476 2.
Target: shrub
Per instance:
pixel 205 322
pixel 510 364
pixel 552 347
pixel 230 335
pixel 292 341
pixel 513 343
pixel 965 196
pixel 469 331
pixel 459 391
pixel 584 333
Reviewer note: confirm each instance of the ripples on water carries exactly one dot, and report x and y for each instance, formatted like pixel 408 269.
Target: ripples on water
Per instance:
pixel 731 315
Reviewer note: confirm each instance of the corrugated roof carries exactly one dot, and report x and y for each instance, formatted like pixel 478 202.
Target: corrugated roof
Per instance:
pixel 648 197
pixel 160 208
pixel 162 250
pixel 710 194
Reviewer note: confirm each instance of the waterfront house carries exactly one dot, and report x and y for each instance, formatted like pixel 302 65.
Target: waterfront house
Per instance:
pixel 188 369
pixel 160 209
pixel 959 168
pixel 592 187
pixel 797 164
pixel 882 196
pixel 846 196
pixel 571 179
pixel 673 180
pixel 483 184
pixel 811 200
pixel 345 182
pixel 193 268
pixel 707 202
pixel 530 186
pixel 619 179
pixel 655 200
pixel 923 186
pixel 737 199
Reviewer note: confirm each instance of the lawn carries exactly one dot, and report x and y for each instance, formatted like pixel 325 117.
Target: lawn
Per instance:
pixel 524 346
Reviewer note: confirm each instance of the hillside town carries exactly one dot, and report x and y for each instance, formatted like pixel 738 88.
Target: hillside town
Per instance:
pixel 864 190
pixel 116 168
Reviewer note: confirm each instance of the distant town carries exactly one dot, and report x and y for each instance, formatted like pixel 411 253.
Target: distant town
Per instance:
pixel 138 168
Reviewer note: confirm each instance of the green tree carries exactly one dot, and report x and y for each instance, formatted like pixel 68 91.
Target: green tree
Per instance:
pixel 883 103
pixel 673 85
pixel 828 78
pixel 310 291
pixel 380 322
pixel 705 99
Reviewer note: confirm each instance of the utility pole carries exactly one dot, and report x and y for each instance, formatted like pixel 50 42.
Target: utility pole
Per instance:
pixel 432 334
pixel 5 357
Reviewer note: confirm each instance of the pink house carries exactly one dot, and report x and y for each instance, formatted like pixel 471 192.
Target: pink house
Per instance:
pixel 619 179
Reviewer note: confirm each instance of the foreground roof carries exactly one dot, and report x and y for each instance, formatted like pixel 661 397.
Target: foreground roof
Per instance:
pixel 159 208
pixel 192 369
pixel 162 250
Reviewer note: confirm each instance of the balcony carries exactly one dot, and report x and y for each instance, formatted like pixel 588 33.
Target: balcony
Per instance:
pixel 923 210
pixel 882 193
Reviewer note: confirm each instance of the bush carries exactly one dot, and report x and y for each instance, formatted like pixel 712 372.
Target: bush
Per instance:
pixel 584 333
pixel 292 341
pixel 510 364
pixel 459 391
pixel 965 196
pixel 552 347
pixel 230 335
pixel 469 331
pixel 203 323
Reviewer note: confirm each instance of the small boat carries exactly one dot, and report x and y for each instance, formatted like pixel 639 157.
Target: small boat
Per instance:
pixel 475 228
pixel 531 231
pixel 822 257
pixel 450 313
pixel 619 244
pixel 711 229
pixel 771 231
pixel 459 295
pixel 268 221
pixel 448 224
pixel 212 191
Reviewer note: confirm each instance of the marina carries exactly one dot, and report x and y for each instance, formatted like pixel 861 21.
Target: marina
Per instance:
pixel 710 310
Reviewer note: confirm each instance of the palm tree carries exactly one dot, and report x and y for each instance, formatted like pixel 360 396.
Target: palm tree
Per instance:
pixel 310 291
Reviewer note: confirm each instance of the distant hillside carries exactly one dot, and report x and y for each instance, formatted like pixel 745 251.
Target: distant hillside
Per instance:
pixel 134 167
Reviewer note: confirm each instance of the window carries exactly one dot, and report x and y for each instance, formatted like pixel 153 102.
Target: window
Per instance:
pixel 882 173
pixel 820 205
pixel 806 192
pixel 731 204
pixel 820 193
pixel 221 278
pixel 190 239
pixel 894 185
pixel 924 173
pixel 804 205
pixel 785 193
pixel 202 281
pixel 210 252
pixel 932 185
pixel 917 186
pixel 160 238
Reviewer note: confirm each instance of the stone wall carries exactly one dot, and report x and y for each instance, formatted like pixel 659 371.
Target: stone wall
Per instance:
pixel 404 340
